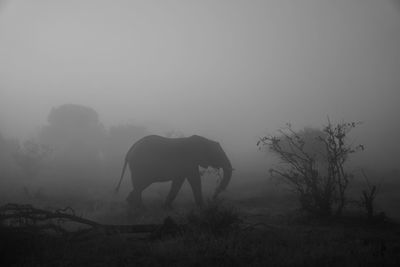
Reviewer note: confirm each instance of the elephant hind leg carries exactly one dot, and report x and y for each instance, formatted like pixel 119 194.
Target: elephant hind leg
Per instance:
pixel 175 187
pixel 134 198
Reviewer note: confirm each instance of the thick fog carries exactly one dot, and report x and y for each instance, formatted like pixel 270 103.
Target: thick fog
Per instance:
pixel 199 132
pixel 228 70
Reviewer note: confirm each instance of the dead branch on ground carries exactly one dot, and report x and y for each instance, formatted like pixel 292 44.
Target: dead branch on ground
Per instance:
pixel 21 217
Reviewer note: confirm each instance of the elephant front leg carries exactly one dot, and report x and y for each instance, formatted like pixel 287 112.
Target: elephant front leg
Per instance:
pixel 175 187
pixel 195 183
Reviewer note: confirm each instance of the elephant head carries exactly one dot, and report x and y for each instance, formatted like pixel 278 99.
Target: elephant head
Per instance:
pixel 210 154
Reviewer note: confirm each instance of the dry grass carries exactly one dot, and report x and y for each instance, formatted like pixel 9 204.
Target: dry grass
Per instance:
pixel 218 235
pixel 254 226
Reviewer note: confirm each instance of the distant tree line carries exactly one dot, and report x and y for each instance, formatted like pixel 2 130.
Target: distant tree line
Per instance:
pixel 74 145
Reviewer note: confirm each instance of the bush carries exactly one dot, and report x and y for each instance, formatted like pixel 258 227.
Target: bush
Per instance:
pixel 313 163
pixel 214 218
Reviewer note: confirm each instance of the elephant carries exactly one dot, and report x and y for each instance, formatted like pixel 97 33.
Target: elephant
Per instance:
pixel 159 159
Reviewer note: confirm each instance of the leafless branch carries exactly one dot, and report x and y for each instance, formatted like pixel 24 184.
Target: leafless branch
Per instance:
pixel 29 218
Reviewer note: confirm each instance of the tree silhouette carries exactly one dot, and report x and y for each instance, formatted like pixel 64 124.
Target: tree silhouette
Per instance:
pixel 76 137
pixel 74 132
pixel 313 164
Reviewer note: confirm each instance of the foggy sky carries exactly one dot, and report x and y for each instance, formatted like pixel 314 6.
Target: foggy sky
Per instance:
pixel 229 70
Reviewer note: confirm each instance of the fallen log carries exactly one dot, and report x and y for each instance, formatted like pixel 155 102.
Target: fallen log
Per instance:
pixel 22 217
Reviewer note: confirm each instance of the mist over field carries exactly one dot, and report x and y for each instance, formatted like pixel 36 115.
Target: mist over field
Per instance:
pixel 231 71
pixel 82 81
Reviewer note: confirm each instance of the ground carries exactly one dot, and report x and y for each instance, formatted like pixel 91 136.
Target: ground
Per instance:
pixel 257 226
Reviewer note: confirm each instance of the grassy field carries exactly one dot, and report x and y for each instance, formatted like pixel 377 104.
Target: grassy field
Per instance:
pixel 255 224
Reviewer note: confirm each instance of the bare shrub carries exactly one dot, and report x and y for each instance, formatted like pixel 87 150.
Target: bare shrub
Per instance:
pixel 313 164
pixel 367 201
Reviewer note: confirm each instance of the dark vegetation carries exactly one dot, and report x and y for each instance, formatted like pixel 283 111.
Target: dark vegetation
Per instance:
pixel 214 236
pixel 322 212
pixel 314 165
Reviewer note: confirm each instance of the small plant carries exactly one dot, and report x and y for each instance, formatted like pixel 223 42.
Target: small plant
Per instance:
pixel 367 200
pixel 313 163
pixel 214 218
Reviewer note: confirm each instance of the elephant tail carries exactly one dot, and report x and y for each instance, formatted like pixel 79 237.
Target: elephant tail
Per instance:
pixel 122 176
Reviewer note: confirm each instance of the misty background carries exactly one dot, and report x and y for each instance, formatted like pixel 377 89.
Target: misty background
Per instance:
pixel 231 71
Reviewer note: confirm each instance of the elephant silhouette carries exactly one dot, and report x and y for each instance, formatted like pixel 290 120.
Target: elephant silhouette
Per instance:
pixel 160 159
